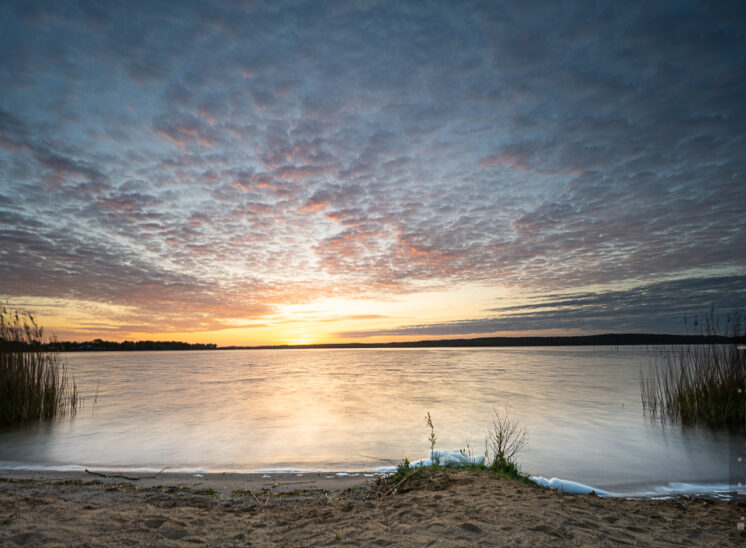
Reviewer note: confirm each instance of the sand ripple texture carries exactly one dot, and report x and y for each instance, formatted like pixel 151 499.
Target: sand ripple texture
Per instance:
pixel 446 509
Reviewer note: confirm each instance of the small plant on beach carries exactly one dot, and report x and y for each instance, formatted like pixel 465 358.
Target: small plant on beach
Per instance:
pixel 402 470
pixel 701 383
pixel 34 383
pixel 467 451
pixel 432 439
pixel 505 439
pixel 502 443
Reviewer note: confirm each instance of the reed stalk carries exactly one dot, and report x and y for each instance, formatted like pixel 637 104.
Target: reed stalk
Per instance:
pixel 34 383
pixel 700 383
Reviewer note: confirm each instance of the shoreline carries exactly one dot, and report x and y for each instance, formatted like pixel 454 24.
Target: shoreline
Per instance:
pixel 601 339
pixel 436 507
pixel 224 483
pixel 331 480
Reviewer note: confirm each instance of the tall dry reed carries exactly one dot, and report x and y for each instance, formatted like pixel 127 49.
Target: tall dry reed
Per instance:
pixel 34 383
pixel 700 383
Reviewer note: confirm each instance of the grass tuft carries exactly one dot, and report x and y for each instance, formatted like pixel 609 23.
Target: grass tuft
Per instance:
pixel 34 384
pixel 403 469
pixel 700 383
pixel 504 441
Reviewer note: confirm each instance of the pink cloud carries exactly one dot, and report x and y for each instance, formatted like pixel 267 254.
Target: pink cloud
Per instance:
pixel 513 160
pixel 210 118
pixel 165 135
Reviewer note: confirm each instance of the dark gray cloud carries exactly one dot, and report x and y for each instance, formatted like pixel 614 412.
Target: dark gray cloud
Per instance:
pixel 663 307
pixel 283 149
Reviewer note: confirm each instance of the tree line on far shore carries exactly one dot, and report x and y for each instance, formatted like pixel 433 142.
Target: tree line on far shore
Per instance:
pixel 611 339
pixel 98 345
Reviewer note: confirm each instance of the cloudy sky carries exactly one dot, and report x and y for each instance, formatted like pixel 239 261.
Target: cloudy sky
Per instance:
pixel 294 172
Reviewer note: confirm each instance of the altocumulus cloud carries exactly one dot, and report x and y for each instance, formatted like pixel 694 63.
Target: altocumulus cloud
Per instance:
pixel 226 159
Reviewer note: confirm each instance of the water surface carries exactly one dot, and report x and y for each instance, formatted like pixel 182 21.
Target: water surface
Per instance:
pixel 360 409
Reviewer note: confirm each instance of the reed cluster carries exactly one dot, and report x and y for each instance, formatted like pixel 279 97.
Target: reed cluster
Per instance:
pixel 701 383
pixel 34 383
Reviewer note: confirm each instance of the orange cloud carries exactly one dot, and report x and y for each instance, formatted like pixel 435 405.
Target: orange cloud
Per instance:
pixel 513 160
pixel 172 139
pixel 210 118
pixel 313 207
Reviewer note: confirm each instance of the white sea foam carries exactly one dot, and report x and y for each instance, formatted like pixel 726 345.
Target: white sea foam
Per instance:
pixel 570 487
pixel 451 458
pixel 658 492
pixel 385 469
pixel 692 489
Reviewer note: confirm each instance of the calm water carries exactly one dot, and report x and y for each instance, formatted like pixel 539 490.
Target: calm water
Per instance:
pixel 363 409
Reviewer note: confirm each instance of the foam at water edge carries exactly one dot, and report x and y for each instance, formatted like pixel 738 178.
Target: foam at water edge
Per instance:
pixel 660 492
pixel 570 487
pixel 385 469
pixel 691 489
pixel 656 492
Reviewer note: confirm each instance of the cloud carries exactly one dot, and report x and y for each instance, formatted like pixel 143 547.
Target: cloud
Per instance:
pixel 373 148
pixel 652 308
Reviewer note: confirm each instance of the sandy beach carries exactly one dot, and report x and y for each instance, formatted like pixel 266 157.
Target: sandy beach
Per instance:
pixel 458 508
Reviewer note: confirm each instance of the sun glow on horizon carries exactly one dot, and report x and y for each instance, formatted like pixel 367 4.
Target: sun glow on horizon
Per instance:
pixel 318 321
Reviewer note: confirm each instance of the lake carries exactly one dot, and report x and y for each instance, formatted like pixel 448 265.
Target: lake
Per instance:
pixel 363 409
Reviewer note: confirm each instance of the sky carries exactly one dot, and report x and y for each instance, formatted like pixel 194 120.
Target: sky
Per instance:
pixel 308 172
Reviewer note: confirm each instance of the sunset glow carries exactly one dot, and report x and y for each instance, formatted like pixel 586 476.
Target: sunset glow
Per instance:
pixel 277 173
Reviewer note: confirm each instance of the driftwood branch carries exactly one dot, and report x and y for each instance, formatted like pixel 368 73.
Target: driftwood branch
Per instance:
pixel 392 489
pixel 122 476
pixel 379 459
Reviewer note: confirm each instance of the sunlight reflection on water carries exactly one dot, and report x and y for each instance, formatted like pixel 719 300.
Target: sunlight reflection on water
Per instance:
pixel 360 409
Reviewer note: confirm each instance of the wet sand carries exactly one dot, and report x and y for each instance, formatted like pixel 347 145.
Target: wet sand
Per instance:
pixel 458 508
pixel 223 483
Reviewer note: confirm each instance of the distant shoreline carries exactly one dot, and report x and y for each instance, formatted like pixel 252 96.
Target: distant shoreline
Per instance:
pixel 609 339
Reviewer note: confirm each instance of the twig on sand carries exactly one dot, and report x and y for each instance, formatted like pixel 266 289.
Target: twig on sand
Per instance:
pixel 392 489
pixel 379 459
pixel 130 478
